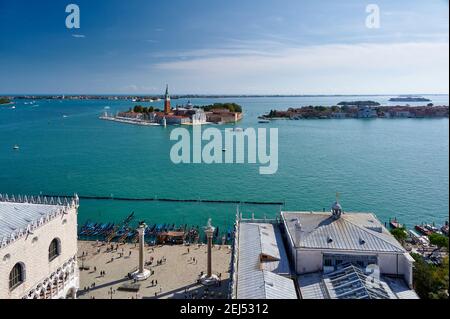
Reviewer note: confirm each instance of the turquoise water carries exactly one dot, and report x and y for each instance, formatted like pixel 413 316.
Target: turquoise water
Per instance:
pixel 396 167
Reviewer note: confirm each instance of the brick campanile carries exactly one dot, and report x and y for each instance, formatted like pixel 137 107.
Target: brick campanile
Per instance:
pixel 167 107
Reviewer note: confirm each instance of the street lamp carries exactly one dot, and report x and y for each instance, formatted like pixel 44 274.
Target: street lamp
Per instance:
pixel 111 292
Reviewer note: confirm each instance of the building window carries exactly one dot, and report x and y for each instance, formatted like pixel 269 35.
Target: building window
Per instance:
pixel 54 250
pixel 16 276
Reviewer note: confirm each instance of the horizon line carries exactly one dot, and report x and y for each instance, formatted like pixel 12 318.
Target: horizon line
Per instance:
pixel 217 94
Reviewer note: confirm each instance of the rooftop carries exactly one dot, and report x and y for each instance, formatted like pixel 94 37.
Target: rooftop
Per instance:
pixel 350 232
pixel 22 214
pixel 350 282
pixel 261 262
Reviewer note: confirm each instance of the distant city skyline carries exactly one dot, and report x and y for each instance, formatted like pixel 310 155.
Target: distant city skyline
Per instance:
pixel 253 47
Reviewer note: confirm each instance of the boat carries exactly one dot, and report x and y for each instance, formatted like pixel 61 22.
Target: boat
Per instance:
pixel 129 218
pixel 264 121
pixel 16 147
pixel 433 229
pixel 395 224
pixel 423 230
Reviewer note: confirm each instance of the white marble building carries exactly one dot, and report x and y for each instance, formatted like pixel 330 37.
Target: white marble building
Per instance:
pixel 38 247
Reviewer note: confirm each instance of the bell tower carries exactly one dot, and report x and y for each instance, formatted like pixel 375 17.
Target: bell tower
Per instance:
pixel 167 107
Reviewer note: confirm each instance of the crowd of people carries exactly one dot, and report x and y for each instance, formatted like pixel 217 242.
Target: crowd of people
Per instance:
pixel 117 251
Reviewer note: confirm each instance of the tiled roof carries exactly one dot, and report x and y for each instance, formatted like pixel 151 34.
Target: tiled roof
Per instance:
pixel 352 231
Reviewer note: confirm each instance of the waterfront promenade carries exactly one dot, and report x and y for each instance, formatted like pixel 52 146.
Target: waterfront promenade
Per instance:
pixel 174 278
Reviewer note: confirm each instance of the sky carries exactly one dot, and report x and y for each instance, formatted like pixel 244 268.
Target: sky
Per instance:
pixel 224 47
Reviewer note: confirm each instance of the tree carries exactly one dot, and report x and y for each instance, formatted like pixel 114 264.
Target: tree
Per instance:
pixel 232 107
pixel 430 281
pixel 400 234
pixel 4 100
pixel 138 109
pixel 439 240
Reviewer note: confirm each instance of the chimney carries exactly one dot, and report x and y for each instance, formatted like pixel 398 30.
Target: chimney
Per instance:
pixel 297 232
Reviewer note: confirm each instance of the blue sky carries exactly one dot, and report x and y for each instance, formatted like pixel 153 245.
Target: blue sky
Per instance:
pixel 224 47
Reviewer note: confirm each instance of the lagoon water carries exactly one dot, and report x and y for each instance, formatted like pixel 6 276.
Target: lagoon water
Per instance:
pixel 392 167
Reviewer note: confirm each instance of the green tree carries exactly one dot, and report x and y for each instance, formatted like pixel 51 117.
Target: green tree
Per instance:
pixel 138 109
pixel 439 240
pixel 400 234
pixel 4 100
pixel 430 281
pixel 232 107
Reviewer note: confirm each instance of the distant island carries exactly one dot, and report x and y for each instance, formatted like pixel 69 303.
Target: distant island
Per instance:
pixel 359 103
pixel 4 100
pixel 218 113
pixel 409 99
pixel 351 111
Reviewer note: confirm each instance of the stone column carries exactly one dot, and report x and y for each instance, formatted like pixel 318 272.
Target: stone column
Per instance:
pixel 209 235
pixel 209 278
pixel 141 231
pixel 142 273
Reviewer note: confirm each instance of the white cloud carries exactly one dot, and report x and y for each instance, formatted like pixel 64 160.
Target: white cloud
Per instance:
pixel 347 69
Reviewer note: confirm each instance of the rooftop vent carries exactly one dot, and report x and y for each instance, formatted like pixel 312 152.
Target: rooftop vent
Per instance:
pixel 362 241
pixel 329 239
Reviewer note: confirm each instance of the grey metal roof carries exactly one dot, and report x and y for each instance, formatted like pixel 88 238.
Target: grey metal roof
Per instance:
pixel 398 286
pixel 278 287
pixel 353 231
pixel 254 280
pixel 20 215
pixel 16 216
pixel 311 286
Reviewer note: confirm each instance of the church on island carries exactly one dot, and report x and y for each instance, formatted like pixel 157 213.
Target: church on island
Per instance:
pixel 180 115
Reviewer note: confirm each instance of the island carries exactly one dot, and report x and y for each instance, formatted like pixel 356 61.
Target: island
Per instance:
pixel 218 113
pixel 362 111
pixel 4 100
pixel 409 99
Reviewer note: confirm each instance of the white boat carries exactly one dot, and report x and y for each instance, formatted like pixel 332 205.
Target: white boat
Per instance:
pixel 264 121
pixel 16 147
